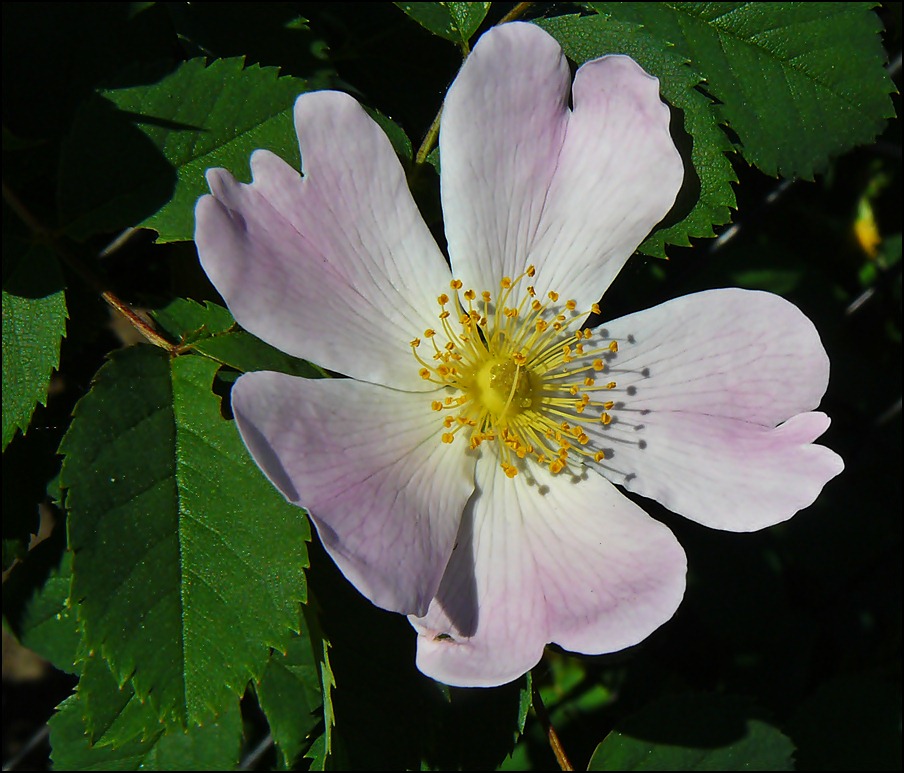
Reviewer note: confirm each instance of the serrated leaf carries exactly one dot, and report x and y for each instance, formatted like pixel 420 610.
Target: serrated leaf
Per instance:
pixel 705 201
pixel 137 156
pixel 322 750
pixel 188 564
pixel 49 625
pixel 34 323
pixel 798 82
pixel 113 714
pixel 695 732
pixel 455 22
pixel 213 746
pixel 211 330
pixel 290 696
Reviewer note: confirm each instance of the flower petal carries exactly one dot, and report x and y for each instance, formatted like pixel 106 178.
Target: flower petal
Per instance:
pixel 703 380
pixel 343 248
pixel 527 180
pixel 543 558
pixel 367 462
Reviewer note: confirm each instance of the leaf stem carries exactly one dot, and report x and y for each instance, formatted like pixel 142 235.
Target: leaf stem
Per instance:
pixel 430 138
pixel 555 744
pixel 45 235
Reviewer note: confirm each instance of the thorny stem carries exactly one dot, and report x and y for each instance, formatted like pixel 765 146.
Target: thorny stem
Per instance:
pixel 555 744
pixel 43 234
pixel 430 138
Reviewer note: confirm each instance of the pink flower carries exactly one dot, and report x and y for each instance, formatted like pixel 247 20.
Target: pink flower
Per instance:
pixel 463 473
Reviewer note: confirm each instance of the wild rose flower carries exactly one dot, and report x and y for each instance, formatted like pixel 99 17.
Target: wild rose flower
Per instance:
pixel 463 472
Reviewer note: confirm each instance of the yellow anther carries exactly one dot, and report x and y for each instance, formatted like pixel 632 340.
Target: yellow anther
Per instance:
pixel 587 334
pixel 599 456
pixel 486 296
pixel 541 325
pixel 424 373
pixel 510 470
pixel 455 284
pixel 531 291
pixel 442 300
pixel 595 308
pixel 448 437
pixel 429 332
pixel 506 282
pixel 571 305
pixel 436 405
pixel 531 271
pixel 556 466
pixel 608 405
pixel 589 381
pixel 510 313
pixel 610 385
pixel 444 315
pixel 519 359
pixel 470 295
pixel 613 347
pixel 552 295
pixel 536 306
pixel 605 418
pixel 598 364
pixel 448 422
pixel 415 343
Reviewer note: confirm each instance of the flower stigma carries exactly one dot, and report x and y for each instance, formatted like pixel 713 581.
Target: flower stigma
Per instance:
pixel 524 376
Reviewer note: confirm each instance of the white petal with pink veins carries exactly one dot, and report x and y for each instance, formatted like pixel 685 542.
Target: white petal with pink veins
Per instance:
pixel 528 180
pixel 309 263
pixel 542 558
pixel 713 403
pixel 367 462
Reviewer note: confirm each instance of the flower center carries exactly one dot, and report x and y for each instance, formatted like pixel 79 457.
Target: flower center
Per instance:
pixel 523 376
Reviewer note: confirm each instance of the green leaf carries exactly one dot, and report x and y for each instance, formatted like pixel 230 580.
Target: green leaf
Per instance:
pixel 400 142
pixel 706 197
pixel 188 564
pixel 698 732
pixel 137 156
pixel 290 697
pixel 212 746
pixel 456 22
pixel 210 330
pixel 34 323
pixel 48 625
pixel 798 83
pixel 113 714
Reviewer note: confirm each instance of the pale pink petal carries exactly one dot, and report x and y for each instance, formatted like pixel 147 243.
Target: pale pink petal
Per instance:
pixel 544 559
pixel 702 383
pixel 527 180
pixel 338 267
pixel 367 462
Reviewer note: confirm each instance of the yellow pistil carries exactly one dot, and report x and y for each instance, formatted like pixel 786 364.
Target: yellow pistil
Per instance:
pixel 518 372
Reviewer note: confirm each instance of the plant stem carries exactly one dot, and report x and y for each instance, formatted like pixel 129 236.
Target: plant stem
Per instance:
pixel 555 744
pixel 430 138
pixel 44 235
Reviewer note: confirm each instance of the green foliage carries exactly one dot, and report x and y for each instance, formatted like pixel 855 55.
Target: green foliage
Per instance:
pixel 797 82
pixel 34 323
pixel 188 565
pixel 210 330
pixel 212 746
pixel 143 150
pixel 700 732
pixel 456 22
